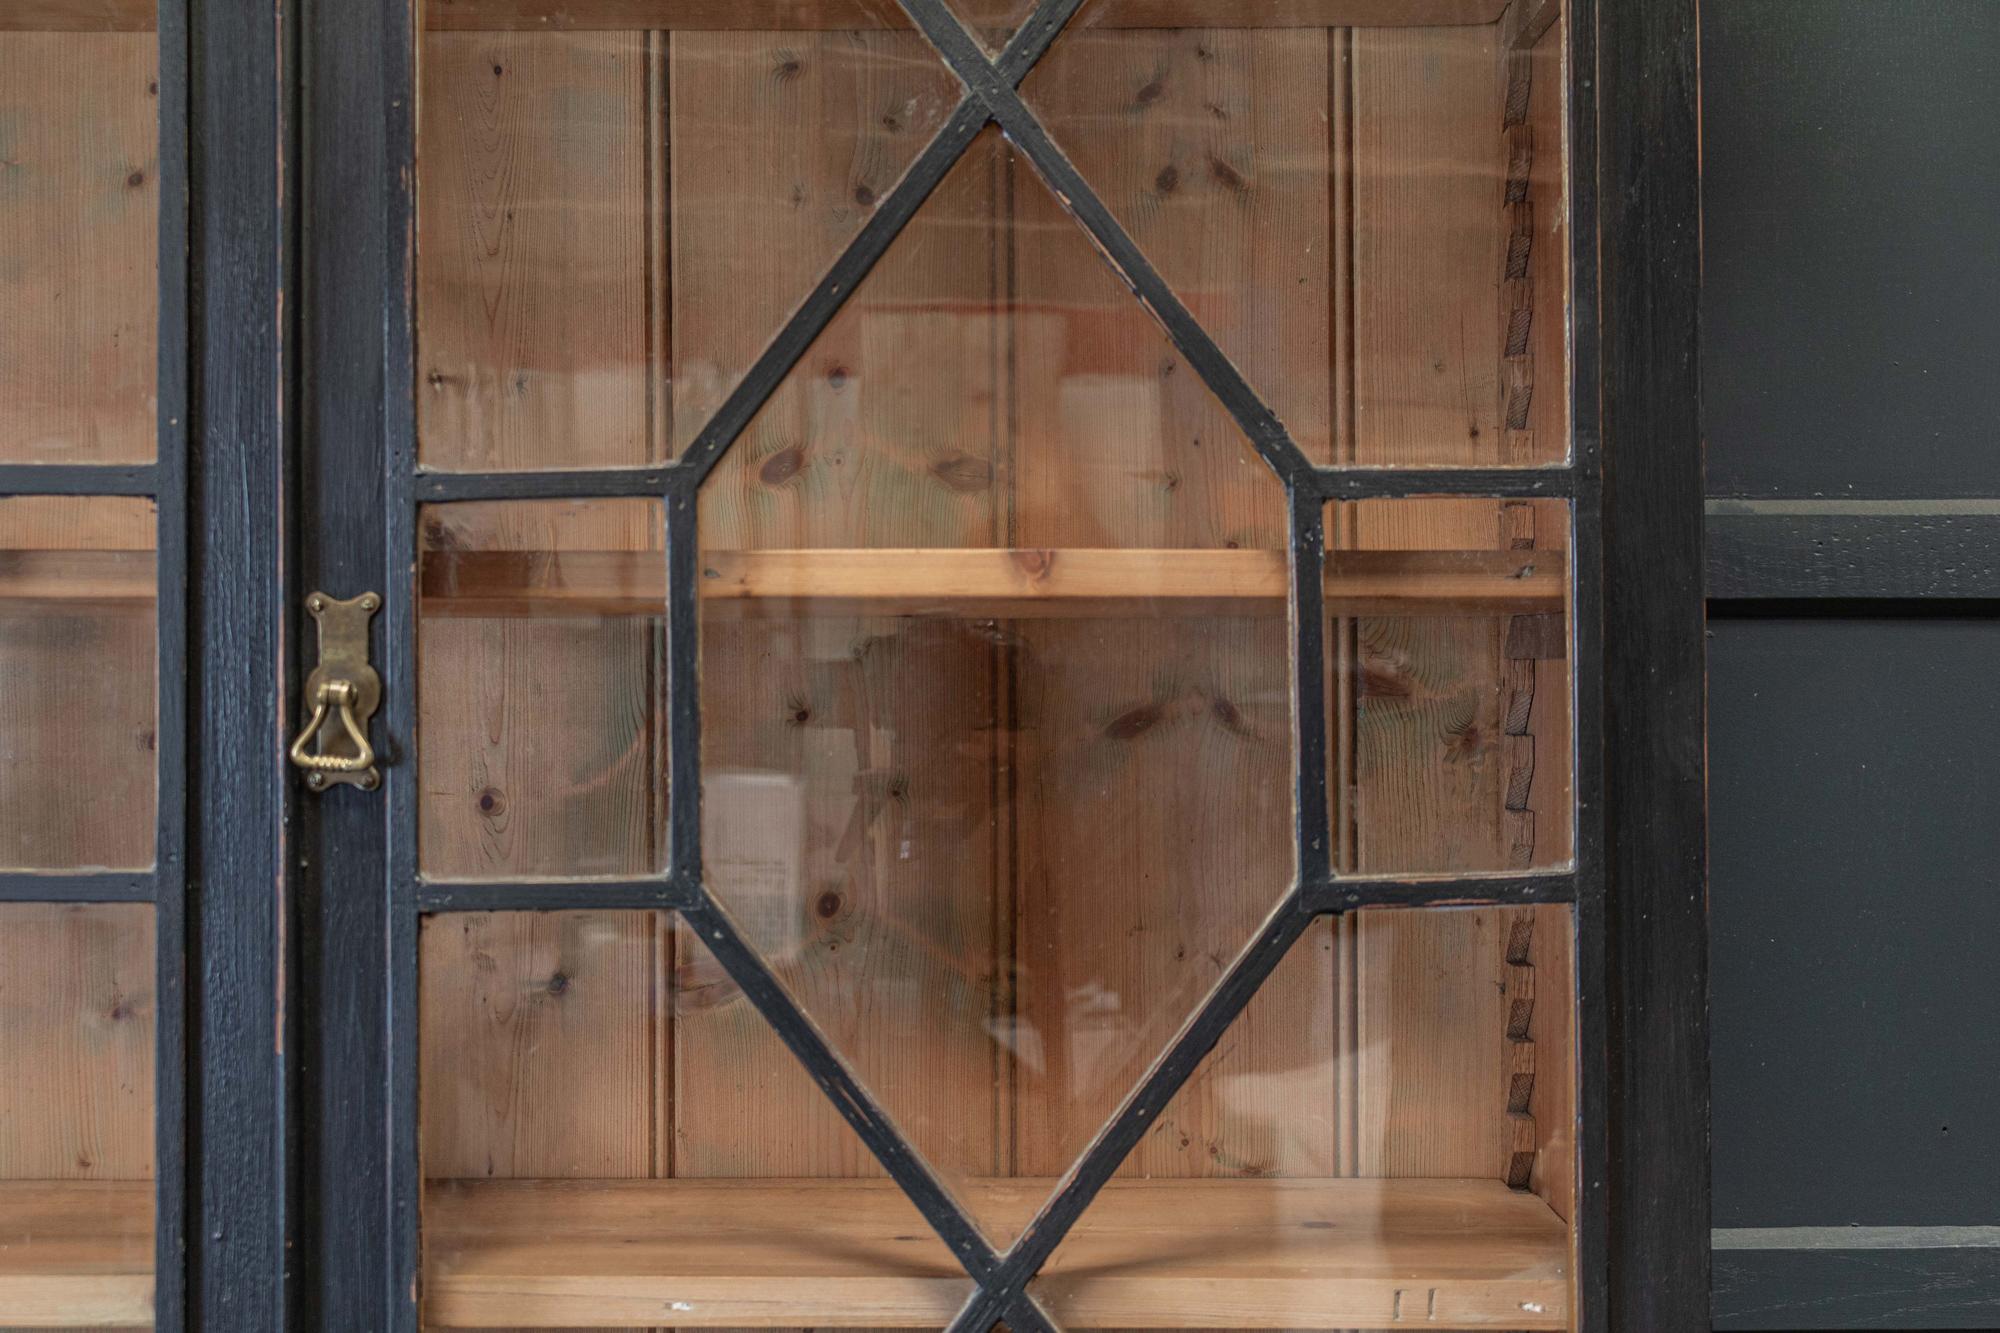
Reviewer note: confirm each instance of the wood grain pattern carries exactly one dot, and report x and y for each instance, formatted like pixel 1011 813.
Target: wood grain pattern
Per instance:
pixel 79 205
pixel 1302 1254
pixel 77 992
pixel 533 294
pixel 78 715
pixel 1201 144
pixel 76 1254
pixel 917 581
pixel 782 144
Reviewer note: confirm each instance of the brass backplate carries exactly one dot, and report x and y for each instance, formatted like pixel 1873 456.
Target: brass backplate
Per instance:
pixel 343 655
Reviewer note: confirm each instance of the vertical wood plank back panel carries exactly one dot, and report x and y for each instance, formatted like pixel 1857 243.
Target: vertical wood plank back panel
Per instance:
pixel 1152 756
pixel 782 142
pixel 534 301
pixel 1213 153
pixel 77 1009
pixel 1430 771
pixel 79 210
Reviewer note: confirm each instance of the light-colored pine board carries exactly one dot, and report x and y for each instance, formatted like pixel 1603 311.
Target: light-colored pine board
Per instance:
pixel 538 1058
pixel 76 1254
pixel 691 15
pixel 1549 262
pixel 76 985
pixel 78 225
pixel 1202 144
pixel 533 292
pixel 78 715
pixel 1452 1254
pixel 1017 583
pixel 782 144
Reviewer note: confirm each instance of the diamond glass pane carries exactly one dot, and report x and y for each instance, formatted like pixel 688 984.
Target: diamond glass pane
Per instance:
pixel 1383 1137
pixel 1449 706
pixel 996 732
pixel 612 1134
pixel 612 225
pixel 1371 222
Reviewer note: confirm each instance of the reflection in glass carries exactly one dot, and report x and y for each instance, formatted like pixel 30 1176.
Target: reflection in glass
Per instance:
pixel 77 655
pixel 77 1010
pixel 1404 1154
pixel 79 219
pixel 996 741
pixel 540 690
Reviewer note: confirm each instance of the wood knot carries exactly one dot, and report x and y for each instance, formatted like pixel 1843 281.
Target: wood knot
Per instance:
pixel 963 473
pixel 492 802
pixel 1135 722
pixel 782 466
pixel 1168 180
pixel 1036 564
pixel 828 905
pixel 559 984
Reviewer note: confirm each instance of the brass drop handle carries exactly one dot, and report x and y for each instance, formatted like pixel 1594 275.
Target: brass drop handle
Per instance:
pixel 345 687
pixel 341 695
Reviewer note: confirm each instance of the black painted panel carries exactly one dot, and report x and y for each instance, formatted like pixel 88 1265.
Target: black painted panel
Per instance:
pixel 1918 554
pixel 1855 886
pixel 1851 192
pixel 1801 1289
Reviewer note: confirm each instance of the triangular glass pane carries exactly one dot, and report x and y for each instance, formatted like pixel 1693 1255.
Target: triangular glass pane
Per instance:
pixel 1369 221
pixel 605 1113
pixel 1382 1138
pixel 613 225
pixel 997 741
pixel 993 22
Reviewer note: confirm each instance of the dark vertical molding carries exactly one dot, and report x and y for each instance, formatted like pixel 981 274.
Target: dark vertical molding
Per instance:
pixel 341 850
pixel 1655 800
pixel 241 175
pixel 172 1044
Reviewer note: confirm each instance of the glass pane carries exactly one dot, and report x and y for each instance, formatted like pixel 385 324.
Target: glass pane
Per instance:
pixel 79 217
pixel 1448 641
pixel 1371 222
pixel 77 657
pixel 540 689
pixel 612 1136
pixel 1400 1152
pixel 993 21
pixel 996 743
pixel 612 225
pixel 76 1115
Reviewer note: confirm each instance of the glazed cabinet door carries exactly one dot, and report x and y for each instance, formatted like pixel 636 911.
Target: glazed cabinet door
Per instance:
pixel 90 724
pixel 980 637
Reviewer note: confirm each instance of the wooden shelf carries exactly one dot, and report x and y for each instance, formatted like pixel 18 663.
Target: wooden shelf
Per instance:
pixel 76 1254
pixel 992 584
pixel 781 15
pixel 1448 1254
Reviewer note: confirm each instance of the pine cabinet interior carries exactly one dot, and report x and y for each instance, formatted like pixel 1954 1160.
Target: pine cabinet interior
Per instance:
pixel 999 728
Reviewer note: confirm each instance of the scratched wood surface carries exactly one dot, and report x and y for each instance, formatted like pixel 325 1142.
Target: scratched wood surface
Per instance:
pixel 79 205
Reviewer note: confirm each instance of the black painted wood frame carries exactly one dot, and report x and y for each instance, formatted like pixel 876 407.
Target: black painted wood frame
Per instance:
pixel 302 347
